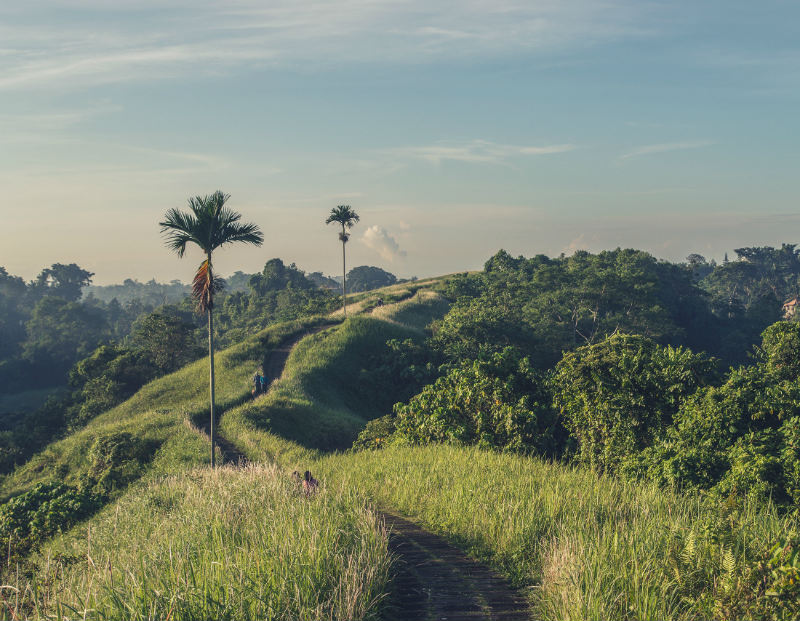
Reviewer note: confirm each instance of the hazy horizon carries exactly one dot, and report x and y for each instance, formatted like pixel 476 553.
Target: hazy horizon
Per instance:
pixel 453 129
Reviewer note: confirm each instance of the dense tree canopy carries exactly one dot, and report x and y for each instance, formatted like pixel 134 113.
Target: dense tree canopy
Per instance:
pixel 365 278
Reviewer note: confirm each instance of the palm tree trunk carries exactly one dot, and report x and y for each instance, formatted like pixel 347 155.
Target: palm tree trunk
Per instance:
pixel 211 358
pixel 344 276
pixel 211 379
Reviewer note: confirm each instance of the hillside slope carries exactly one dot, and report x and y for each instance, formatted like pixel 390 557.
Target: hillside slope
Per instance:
pixel 168 546
pixel 160 415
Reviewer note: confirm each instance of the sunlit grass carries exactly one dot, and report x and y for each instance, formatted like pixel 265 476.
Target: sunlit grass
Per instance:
pixel 224 544
pixel 587 547
pixel 320 402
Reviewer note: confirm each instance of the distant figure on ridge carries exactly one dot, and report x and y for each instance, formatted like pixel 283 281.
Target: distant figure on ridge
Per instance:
pixel 257 383
pixel 263 383
pixel 310 484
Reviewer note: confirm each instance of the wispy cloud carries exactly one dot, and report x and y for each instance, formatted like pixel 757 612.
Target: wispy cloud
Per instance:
pixel 475 151
pixel 665 147
pixel 379 240
pixel 99 42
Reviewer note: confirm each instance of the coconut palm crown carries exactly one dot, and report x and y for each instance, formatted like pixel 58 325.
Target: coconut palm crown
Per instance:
pixel 344 215
pixel 208 225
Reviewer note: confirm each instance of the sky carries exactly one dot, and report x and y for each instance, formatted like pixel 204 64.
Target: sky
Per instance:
pixel 453 128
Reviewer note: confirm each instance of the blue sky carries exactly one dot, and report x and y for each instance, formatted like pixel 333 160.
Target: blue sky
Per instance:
pixel 452 128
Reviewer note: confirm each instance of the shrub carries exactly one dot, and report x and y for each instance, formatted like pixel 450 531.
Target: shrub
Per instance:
pixel 115 460
pixel 617 396
pixel 30 518
pixel 500 402
pixel 376 434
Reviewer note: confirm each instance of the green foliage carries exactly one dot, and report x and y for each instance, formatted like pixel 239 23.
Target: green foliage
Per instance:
pixel 104 379
pixel 402 368
pixel 276 276
pixel 725 587
pixel 617 396
pixel 278 293
pixel 377 433
pixel 760 272
pixel 366 278
pixel 62 281
pixel 500 403
pixel 29 519
pixel 59 334
pixel 116 459
pixel 166 339
pixel 151 293
pixel 740 438
pixel 546 306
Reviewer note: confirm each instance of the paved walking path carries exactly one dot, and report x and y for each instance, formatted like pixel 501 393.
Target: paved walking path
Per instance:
pixel 433 580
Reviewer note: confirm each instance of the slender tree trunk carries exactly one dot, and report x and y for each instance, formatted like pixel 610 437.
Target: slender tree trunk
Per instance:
pixel 211 360
pixel 344 275
pixel 211 382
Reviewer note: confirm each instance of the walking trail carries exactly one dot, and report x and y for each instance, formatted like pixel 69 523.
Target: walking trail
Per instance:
pixel 433 580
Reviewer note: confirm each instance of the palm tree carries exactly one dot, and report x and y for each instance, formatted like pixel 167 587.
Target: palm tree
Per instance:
pixel 344 215
pixel 209 225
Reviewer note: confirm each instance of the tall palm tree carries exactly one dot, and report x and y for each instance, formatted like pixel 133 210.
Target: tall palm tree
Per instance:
pixel 344 215
pixel 209 225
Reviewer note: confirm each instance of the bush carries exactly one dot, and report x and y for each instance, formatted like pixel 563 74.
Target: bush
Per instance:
pixel 115 460
pixel 499 403
pixel 741 438
pixel 30 518
pixel 376 434
pixel 617 396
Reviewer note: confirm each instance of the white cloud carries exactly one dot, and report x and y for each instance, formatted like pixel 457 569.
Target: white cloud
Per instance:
pixel 99 42
pixel 475 151
pixel 379 240
pixel 664 147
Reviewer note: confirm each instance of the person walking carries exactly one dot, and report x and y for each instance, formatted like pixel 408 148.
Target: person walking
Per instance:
pixel 310 484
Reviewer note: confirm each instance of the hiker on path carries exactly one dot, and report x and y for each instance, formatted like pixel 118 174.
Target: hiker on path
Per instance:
pixel 263 383
pixel 256 383
pixel 310 484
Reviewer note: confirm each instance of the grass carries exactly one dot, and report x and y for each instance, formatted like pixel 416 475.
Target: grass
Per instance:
pixel 244 544
pixel 224 544
pixel 583 546
pixel 320 402
pixel 157 414
pixel 184 542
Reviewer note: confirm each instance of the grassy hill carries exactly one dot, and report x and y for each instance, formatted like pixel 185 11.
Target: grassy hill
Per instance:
pixel 161 415
pixel 176 543
pixel 185 542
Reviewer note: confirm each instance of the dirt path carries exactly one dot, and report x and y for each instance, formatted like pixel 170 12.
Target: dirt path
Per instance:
pixel 273 369
pixel 435 581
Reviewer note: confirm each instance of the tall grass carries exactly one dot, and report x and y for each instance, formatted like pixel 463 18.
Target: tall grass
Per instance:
pixel 225 544
pixel 587 547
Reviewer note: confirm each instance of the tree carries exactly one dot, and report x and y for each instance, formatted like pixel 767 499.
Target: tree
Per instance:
pixel 63 281
pixel 209 225
pixel 167 339
pixel 365 278
pixel 344 215
pixel 617 396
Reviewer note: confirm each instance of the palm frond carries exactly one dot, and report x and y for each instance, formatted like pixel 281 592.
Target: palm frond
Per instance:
pixel 179 228
pixel 209 224
pixel 344 215
pixel 205 286
pixel 229 230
